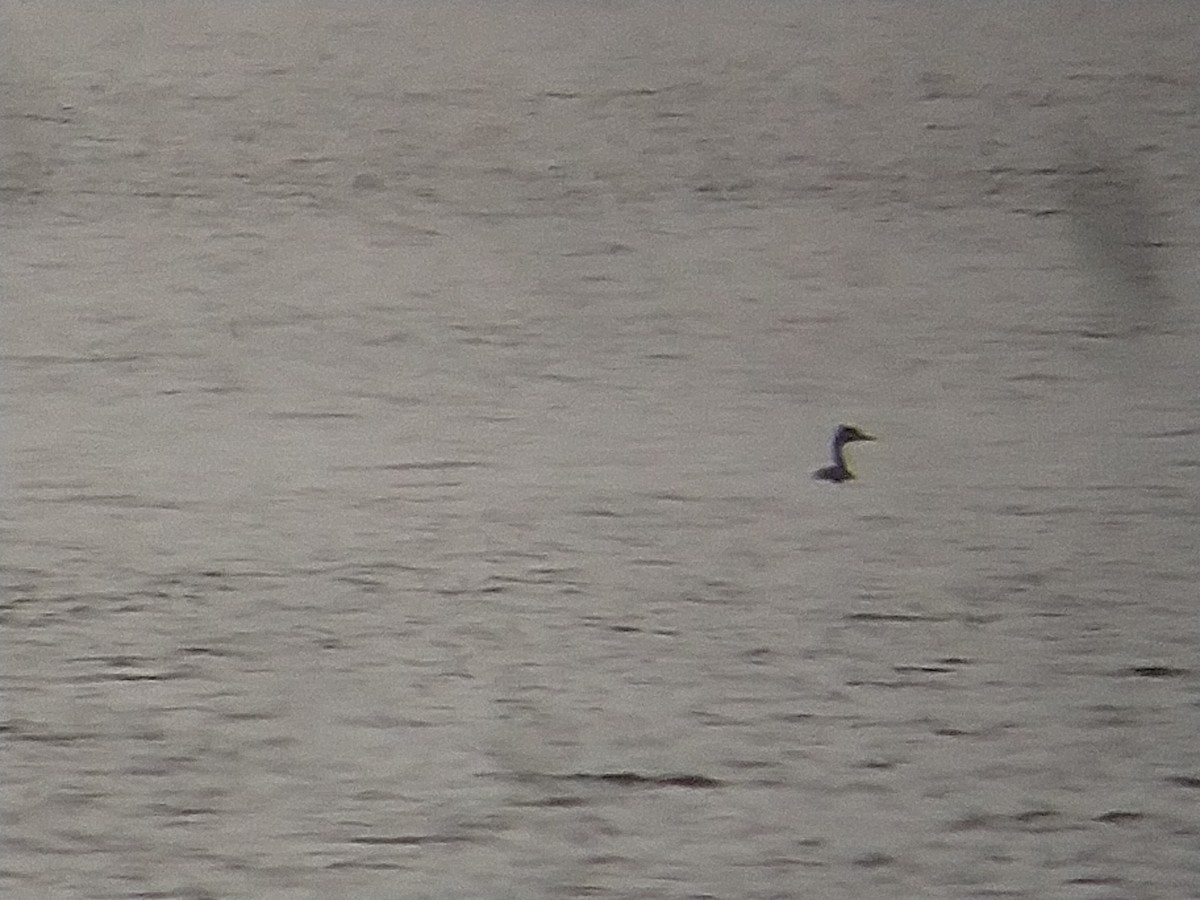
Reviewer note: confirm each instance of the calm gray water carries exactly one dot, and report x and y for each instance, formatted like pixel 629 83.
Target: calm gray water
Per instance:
pixel 407 419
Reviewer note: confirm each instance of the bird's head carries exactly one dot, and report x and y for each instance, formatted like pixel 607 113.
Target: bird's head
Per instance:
pixel 848 433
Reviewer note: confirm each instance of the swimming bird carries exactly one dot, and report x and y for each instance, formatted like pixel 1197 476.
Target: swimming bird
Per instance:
pixel 839 471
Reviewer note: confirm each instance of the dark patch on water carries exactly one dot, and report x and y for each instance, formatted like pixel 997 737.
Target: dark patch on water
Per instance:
pixel 1021 510
pixel 614 779
pixel 538 575
pixel 39 733
pixel 433 465
pixel 716 720
pixel 409 840
pixel 598 512
pixel 49 737
pixel 1039 378
pixel 1110 716
pixel 793 717
pixel 726 593
pixel 250 716
pixel 1038 212
pixel 653 562
pixel 638 92
pixel 880 519
pixel 387 722
pixel 607 859
pixel 168 810
pixel 302 416
pixel 878 764
pixel 556 802
pixel 1173 433
pixel 904 683
pixel 367 181
pixel 750 763
pixel 117 501
pixel 666 355
pixel 368 583
pixel 393 337
pixel 609 249
pixel 1119 817
pixel 674 496
pixel 485 589
pixel 588 890
pixel 874 860
pixel 1034 821
pixel 1035 815
pixel 1185 781
pixel 634 779
pixel 892 617
pixel 44 359
pixel 1155 671
pixel 128 668
pixel 186 893
pixel 134 676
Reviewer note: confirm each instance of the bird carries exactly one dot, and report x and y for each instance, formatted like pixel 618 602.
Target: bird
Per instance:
pixel 839 471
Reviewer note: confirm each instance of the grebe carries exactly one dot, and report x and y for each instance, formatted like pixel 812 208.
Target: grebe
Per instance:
pixel 839 471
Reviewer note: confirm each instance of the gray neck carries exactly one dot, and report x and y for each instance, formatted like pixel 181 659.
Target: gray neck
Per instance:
pixel 839 454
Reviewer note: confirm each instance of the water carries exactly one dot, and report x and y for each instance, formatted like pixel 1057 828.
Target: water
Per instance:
pixel 408 413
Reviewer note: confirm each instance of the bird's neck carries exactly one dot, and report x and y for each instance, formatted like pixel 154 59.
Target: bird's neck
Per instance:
pixel 839 455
